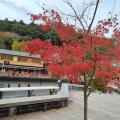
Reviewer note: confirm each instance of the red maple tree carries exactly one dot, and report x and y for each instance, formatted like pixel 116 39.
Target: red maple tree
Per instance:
pixel 93 54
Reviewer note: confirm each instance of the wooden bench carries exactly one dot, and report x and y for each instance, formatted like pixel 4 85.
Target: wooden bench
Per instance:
pixel 29 89
pixel 22 105
pixel 30 100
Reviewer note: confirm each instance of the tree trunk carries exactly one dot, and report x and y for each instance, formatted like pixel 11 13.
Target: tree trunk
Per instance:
pixel 85 97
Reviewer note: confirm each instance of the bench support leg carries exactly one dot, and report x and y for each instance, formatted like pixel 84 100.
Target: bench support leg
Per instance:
pixel 1 94
pixel 30 93
pixel 51 91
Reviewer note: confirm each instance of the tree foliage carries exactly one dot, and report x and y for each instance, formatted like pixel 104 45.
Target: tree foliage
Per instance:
pixel 94 55
pixel 27 31
pixel 84 51
pixel 6 43
pixel 16 46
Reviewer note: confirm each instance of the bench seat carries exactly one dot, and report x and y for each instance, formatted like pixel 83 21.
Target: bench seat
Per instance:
pixel 29 100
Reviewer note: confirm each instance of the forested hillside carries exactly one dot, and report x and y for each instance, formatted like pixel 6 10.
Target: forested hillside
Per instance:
pixel 14 33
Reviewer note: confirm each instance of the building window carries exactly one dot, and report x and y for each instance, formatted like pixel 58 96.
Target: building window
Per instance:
pixel 35 60
pixel 6 57
pixel 22 59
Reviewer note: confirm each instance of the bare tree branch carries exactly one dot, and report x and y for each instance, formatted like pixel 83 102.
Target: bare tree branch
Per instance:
pixel 85 21
pixel 67 2
pixel 93 17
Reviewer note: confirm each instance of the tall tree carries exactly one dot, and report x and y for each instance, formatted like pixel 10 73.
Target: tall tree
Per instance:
pixel 53 37
pixel 92 54
pixel 16 46
pixel 6 43
pixel 5 25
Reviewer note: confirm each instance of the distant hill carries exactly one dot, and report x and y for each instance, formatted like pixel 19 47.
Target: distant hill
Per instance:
pixel 20 31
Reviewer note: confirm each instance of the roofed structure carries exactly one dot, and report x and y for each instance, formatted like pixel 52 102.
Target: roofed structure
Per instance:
pixel 15 61
pixel 17 53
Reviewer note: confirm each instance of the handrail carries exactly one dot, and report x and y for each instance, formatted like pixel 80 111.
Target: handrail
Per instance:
pixel 77 85
pixel 24 74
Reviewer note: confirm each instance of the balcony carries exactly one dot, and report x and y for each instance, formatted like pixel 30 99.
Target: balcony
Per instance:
pixel 24 74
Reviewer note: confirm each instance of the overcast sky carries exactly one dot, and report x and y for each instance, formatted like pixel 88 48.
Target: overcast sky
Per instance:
pixel 19 9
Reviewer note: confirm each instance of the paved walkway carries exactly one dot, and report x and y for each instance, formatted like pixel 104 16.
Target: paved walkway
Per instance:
pixel 100 107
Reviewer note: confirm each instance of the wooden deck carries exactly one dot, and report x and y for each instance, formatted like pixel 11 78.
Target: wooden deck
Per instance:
pixel 100 107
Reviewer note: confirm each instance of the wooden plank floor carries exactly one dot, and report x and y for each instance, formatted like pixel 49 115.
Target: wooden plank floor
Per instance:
pixel 100 107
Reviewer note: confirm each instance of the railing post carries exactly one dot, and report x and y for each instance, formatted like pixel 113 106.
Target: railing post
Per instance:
pixel 28 91
pixel 0 95
pixel 19 85
pixel 9 85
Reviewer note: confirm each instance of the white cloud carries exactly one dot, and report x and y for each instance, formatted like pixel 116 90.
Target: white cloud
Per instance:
pixel 12 11
pixel 18 9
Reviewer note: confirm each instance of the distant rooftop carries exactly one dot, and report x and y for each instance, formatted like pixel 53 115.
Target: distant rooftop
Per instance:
pixel 17 53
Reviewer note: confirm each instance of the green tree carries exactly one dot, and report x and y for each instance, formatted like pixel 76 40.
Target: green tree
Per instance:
pixel 9 34
pixel 16 46
pixel 53 37
pixel 6 43
pixel 21 22
pixel 35 31
pixel 21 43
pixel 5 25
pixel 20 29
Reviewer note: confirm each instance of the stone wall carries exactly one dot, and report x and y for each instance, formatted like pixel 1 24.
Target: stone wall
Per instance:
pixel 17 110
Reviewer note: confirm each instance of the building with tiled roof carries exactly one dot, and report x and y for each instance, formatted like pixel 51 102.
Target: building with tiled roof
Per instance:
pixel 19 60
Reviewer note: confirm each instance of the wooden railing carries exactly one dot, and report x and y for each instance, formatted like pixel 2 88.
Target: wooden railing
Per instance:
pixel 24 74
pixel 27 63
